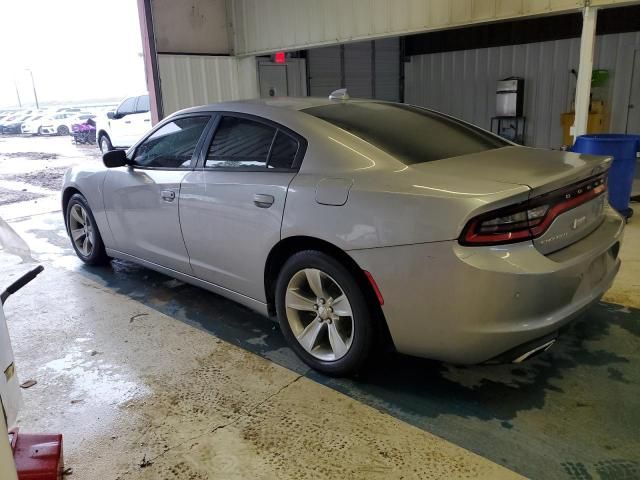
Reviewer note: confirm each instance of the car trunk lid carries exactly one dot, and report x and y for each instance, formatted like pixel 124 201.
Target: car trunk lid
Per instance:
pixel 569 183
pixel 540 170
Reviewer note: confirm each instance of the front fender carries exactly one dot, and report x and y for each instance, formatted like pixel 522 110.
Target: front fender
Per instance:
pixel 89 183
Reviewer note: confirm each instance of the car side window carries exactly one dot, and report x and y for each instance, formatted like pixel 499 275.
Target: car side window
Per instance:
pixel 172 145
pixel 143 104
pixel 284 151
pixel 240 143
pixel 127 106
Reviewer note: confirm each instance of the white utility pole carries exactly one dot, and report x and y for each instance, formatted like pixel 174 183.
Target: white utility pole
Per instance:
pixel 583 84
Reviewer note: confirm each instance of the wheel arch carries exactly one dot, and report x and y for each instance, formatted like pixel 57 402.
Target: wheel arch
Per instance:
pixel 69 192
pixel 102 133
pixel 289 246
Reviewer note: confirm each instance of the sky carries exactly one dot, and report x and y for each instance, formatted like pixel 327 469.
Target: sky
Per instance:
pixel 78 50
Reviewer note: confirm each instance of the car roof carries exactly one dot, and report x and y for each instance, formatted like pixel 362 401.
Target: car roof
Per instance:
pixel 287 103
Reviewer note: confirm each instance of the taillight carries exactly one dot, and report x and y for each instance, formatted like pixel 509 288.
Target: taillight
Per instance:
pixel 530 219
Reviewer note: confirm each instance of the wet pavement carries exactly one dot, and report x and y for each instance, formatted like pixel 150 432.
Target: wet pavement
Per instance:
pixel 571 413
pixel 140 395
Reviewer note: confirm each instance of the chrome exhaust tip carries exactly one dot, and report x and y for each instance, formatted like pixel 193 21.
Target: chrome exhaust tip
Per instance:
pixel 534 351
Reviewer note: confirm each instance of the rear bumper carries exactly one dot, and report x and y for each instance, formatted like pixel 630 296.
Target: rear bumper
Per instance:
pixel 471 304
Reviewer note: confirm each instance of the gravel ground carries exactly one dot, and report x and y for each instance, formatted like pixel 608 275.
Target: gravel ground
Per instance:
pixel 14 196
pixel 49 178
pixel 30 155
pixel 33 167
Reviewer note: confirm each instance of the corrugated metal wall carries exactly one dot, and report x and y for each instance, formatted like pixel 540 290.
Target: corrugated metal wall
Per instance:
pixel 387 64
pixel 371 69
pixel 190 80
pixel 261 26
pixel 323 65
pixel 358 78
pixel 462 83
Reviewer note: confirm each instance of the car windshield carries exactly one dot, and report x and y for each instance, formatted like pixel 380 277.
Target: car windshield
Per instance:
pixel 411 134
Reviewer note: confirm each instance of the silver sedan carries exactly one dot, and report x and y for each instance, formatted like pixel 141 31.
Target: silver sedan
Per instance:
pixel 360 224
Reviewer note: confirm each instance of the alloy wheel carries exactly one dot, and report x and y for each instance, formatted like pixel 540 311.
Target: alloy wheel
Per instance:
pixel 319 314
pixel 81 229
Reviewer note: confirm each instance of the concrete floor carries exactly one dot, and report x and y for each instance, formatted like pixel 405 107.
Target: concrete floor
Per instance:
pixel 150 378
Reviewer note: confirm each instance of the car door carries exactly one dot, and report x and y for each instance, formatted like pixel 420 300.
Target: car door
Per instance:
pixel 142 200
pixel 120 124
pixel 141 118
pixel 231 206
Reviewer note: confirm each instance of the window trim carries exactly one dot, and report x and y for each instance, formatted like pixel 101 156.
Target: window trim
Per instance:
pixel 131 152
pixel 218 114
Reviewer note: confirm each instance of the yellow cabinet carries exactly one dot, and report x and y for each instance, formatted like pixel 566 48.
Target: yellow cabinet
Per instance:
pixel 595 124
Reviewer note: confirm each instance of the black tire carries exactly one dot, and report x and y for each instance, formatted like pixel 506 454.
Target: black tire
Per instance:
pixel 97 255
pixel 63 130
pixel 104 143
pixel 363 321
pixel 39 130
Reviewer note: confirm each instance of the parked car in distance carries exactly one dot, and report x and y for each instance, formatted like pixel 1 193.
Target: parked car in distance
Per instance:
pixel 69 110
pixel 124 126
pixel 399 223
pixel 32 126
pixel 57 124
pixel 5 115
pixel 10 119
pixel 6 120
pixel 14 125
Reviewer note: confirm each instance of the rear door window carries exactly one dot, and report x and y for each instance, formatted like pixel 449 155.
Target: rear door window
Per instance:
pixel 240 143
pixel 411 134
pixel 243 143
pixel 283 151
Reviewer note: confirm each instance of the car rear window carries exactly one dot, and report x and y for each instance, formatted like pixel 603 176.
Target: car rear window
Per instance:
pixel 411 134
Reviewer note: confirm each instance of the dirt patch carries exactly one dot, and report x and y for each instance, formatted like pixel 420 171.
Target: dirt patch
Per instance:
pixel 29 155
pixel 49 178
pixel 626 298
pixel 13 196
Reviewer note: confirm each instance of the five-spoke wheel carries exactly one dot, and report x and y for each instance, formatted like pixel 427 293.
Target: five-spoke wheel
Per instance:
pixel 83 231
pixel 319 314
pixel 323 312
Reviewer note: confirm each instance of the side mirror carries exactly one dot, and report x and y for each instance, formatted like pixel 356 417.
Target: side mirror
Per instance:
pixel 111 115
pixel 115 158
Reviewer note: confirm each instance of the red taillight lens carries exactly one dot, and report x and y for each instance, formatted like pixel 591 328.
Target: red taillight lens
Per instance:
pixel 530 219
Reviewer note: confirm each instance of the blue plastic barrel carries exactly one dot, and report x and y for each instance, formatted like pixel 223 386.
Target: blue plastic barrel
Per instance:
pixel 623 149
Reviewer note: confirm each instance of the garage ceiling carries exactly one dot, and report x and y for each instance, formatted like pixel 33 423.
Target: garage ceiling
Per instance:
pixel 265 26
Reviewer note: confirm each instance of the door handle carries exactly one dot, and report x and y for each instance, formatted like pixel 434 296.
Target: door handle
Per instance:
pixel 262 200
pixel 168 195
pixel 147 120
pixel 127 121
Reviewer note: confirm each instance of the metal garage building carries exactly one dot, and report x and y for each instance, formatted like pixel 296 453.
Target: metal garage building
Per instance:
pixel 445 55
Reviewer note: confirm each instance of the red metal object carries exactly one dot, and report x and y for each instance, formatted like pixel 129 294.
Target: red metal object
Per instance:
pixel 37 456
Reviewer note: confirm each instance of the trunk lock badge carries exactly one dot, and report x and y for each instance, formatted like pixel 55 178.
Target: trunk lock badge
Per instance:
pixel 578 222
